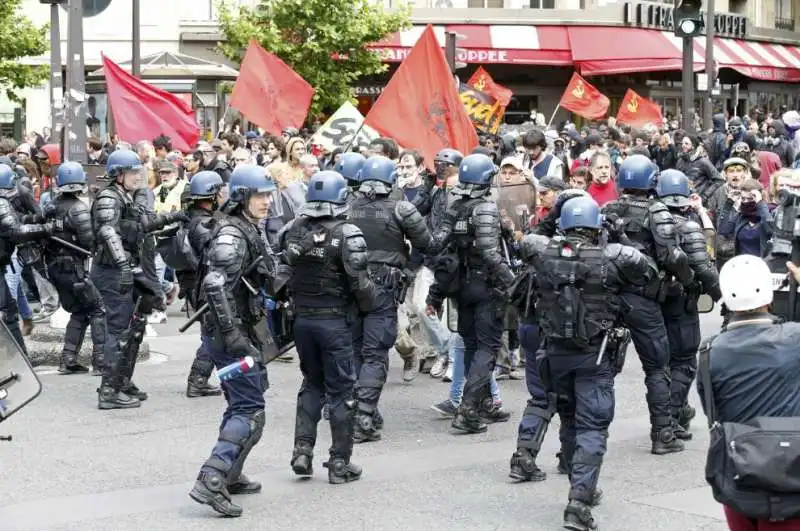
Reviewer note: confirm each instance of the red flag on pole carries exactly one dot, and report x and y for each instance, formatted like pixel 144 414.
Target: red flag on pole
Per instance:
pixel 638 111
pixel 482 81
pixel 420 107
pixel 269 93
pixel 583 99
pixel 143 112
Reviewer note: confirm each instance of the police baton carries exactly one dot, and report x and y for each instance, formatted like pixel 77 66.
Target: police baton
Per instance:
pixel 70 245
pixel 204 308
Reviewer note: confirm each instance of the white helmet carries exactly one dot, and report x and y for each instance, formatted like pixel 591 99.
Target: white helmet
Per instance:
pixel 746 283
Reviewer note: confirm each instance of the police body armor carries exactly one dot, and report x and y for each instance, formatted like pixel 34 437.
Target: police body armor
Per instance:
pixel 464 239
pixel 199 231
pixel 382 232
pixel 28 253
pixel 319 283
pixel 247 307
pixel 577 298
pixel 77 228
pixel 129 226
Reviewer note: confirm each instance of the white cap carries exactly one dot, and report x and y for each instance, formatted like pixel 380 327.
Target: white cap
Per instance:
pixel 746 283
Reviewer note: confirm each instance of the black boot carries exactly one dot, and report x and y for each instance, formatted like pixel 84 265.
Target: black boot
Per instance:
pixel 665 441
pixel 563 466
pixel 491 412
pixel 244 485
pixel 97 362
pixel 110 398
pixel 211 489
pixel 198 380
pixel 130 389
pixel 69 365
pixel 69 356
pixel 683 421
pixel 97 326
pixel 365 430
pixel 302 460
pixel 341 471
pixel 523 466
pixel 468 420
pixel 578 517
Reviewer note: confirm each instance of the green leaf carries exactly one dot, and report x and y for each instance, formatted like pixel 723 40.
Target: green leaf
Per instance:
pixel 19 38
pixel 309 34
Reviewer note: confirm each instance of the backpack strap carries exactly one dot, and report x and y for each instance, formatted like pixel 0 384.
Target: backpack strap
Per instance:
pixel 704 376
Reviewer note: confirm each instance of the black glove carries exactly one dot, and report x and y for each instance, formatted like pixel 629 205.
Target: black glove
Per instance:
pixel 49 210
pixel 125 280
pixel 172 217
pixel 239 345
pixel 54 225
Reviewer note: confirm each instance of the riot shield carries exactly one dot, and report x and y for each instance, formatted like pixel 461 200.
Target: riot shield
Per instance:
pixel 19 384
pixel 516 202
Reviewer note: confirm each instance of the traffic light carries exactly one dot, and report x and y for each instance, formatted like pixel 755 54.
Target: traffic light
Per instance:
pixel 451 52
pixel 687 18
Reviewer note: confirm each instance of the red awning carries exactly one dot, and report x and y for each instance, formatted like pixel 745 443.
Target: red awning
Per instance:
pixel 490 44
pixel 606 50
pixel 758 60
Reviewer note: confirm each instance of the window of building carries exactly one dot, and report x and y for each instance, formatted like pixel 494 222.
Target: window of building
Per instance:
pixel 498 4
pixel 543 4
pixel 783 9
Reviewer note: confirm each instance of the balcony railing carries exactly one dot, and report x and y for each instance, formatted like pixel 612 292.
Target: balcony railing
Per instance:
pixel 784 24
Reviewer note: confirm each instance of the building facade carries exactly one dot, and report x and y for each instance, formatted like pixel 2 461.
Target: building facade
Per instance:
pixel 531 46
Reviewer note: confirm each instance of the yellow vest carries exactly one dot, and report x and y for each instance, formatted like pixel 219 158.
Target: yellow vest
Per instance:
pixel 172 203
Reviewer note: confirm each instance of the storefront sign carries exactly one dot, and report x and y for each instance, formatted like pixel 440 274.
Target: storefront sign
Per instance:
pixel 371 90
pixel 473 55
pixel 340 128
pixel 660 16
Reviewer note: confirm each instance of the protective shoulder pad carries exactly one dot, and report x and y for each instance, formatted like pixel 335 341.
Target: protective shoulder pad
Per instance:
pixel 105 208
pixel 533 244
pixel 351 231
pixel 486 208
pixel 657 207
pixel 613 250
pixel 690 227
pixel 404 209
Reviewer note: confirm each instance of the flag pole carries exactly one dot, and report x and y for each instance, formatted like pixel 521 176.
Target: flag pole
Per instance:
pixel 355 136
pixel 553 116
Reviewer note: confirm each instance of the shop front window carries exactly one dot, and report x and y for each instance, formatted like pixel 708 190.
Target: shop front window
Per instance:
pixel 97 116
pixel 520 108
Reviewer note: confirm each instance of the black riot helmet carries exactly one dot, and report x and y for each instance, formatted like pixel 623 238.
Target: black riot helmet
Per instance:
pixel 446 157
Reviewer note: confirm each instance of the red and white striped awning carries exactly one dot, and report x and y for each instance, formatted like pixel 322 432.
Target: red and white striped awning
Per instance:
pixel 756 60
pixel 490 44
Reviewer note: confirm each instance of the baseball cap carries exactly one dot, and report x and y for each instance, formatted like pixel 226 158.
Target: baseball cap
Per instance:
pixel 512 161
pixel 550 183
pixel 164 166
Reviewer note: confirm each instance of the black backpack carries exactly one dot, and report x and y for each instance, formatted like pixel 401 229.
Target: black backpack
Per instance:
pixel 174 247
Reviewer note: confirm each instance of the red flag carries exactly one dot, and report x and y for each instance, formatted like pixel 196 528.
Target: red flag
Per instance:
pixel 638 111
pixel 583 99
pixel 143 112
pixel 420 107
pixel 269 93
pixel 482 81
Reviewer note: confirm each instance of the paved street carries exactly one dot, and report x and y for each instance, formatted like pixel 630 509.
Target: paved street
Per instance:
pixel 72 467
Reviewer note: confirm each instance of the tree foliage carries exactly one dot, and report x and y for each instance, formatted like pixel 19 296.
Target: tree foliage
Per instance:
pixel 19 38
pixel 325 41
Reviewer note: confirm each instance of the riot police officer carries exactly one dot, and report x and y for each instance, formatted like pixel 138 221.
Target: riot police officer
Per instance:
pixel 647 225
pixel 67 270
pixel 472 227
pixel 349 167
pixel 14 232
pixel 386 224
pixel 578 284
pixel 326 267
pixel 237 260
pixel 205 196
pixel 120 227
pixel 680 304
pixel 432 203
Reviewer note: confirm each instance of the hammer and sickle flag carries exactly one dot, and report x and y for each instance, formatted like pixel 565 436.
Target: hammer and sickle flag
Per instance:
pixel 584 99
pixel 638 111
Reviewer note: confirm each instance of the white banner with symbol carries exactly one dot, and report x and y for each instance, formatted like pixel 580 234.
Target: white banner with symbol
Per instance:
pixel 340 128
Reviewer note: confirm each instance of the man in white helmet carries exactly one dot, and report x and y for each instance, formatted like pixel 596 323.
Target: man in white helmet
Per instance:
pixel 754 370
